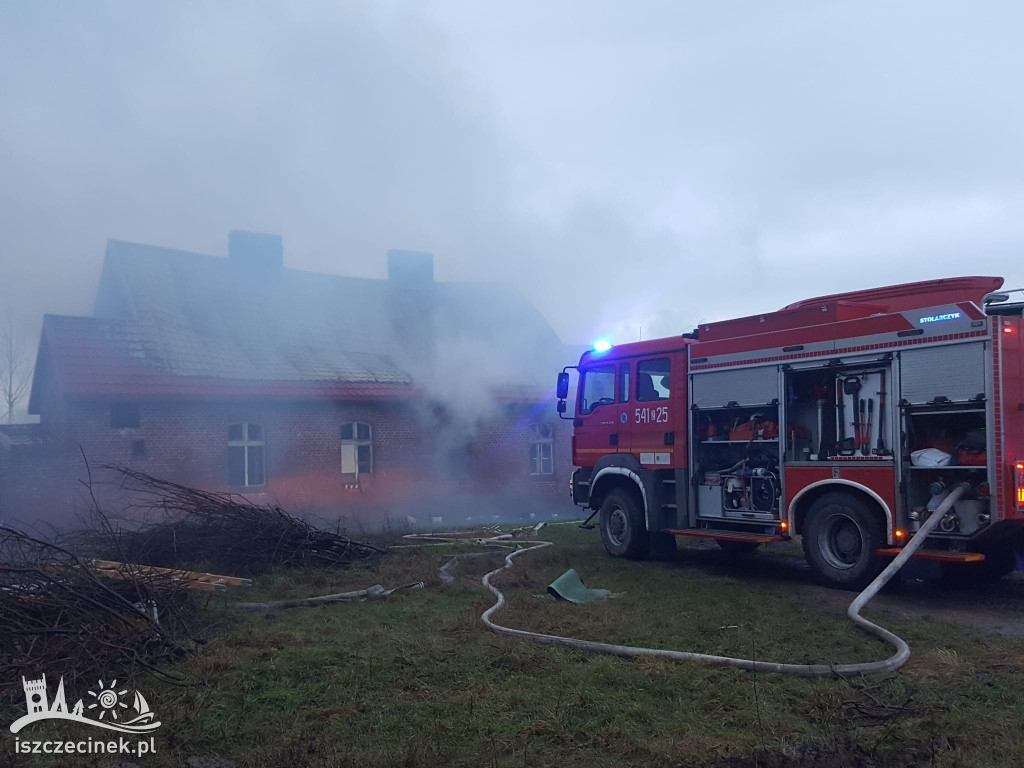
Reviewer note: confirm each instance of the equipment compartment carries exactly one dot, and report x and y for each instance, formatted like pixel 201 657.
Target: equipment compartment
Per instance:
pixel 810 409
pixel 946 433
pixel 862 417
pixel 736 468
pixel 839 412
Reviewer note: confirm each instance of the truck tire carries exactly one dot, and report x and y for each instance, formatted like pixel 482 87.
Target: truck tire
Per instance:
pixel 841 541
pixel 623 529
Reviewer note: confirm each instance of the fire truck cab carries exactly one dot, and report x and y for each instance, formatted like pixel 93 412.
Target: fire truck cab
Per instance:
pixel 843 419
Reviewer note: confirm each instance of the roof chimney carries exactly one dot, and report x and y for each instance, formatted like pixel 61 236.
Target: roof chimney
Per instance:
pixel 411 305
pixel 411 268
pixel 255 251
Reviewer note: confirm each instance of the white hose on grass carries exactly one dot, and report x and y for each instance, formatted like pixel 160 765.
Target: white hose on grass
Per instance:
pixel 890 664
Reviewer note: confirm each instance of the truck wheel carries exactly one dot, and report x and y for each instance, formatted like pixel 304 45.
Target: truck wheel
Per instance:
pixel 623 530
pixel 841 541
pixel 737 547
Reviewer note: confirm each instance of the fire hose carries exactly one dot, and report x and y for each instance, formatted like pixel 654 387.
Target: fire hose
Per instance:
pixel 894 662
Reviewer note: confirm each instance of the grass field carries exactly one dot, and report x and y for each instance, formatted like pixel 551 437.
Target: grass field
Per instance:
pixel 416 680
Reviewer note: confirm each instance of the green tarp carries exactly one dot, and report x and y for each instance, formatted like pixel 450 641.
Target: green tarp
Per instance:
pixel 569 587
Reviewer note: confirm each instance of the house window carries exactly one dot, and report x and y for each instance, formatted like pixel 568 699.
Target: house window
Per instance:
pixel 124 415
pixel 459 464
pixel 356 449
pixel 541 457
pixel 246 455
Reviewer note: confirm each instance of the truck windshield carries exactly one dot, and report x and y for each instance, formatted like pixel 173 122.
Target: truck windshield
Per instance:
pixel 598 388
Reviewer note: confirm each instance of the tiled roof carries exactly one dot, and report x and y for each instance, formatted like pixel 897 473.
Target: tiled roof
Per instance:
pixel 96 356
pixel 175 323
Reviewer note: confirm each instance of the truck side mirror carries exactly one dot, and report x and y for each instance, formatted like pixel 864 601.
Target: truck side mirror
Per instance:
pixel 561 406
pixel 562 389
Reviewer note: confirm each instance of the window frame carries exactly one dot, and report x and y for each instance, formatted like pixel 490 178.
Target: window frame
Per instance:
pixel 538 442
pixel 666 372
pixel 358 442
pixel 587 372
pixel 622 384
pixel 246 443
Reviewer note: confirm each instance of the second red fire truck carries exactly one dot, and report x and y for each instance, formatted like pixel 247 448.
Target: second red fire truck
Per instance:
pixel 843 419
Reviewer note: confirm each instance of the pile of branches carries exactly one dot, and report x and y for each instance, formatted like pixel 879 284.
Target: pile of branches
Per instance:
pixel 60 616
pixel 224 532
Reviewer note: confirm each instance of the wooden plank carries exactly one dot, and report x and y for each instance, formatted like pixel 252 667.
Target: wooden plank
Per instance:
pixel 204 586
pixel 233 581
pixel 125 575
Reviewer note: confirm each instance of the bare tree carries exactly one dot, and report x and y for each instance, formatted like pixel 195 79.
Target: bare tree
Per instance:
pixel 15 367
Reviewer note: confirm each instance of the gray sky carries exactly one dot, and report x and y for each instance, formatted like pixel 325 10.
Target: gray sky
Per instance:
pixel 623 164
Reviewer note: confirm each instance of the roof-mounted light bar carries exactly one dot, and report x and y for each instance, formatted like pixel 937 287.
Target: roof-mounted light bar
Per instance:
pixel 1006 302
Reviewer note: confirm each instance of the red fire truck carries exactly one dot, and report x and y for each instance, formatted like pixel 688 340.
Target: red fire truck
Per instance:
pixel 843 419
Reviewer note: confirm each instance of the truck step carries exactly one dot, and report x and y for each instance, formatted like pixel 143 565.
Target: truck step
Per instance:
pixel 725 535
pixel 943 555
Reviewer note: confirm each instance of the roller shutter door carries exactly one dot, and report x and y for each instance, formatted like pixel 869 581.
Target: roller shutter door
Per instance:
pixel 747 386
pixel 956 372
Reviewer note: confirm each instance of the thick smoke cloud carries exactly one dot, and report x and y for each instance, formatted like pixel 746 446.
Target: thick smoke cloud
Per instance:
pixel 623 165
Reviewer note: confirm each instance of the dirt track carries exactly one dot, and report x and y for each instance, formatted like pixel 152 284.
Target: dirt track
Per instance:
pixel 997 608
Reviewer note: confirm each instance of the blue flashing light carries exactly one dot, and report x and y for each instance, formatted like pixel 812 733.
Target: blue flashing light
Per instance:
pixel 602 345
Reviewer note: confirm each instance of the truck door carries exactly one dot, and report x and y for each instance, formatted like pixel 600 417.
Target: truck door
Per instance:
pixel 599 426
pixel 652 436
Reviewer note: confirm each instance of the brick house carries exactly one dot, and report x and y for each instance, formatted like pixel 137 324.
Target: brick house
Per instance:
pixel 331 395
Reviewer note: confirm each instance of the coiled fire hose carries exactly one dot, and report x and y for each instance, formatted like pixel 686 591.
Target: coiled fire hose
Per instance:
pixel 890 664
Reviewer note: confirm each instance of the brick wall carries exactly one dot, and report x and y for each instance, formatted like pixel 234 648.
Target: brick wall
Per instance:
pixel 36 483
pixel 415 452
